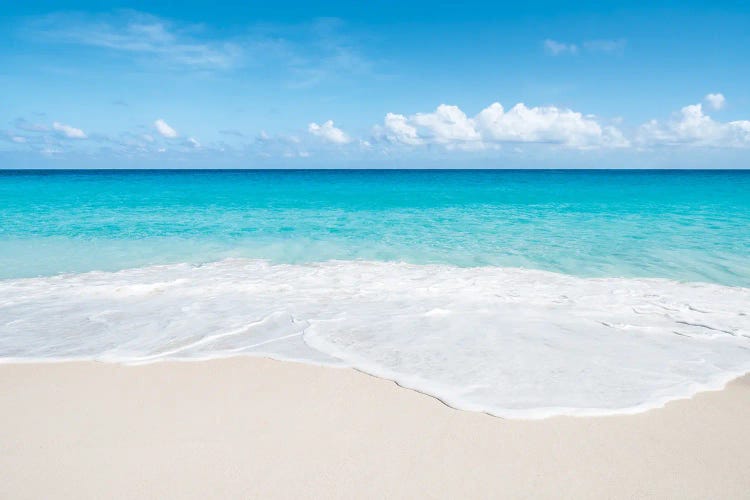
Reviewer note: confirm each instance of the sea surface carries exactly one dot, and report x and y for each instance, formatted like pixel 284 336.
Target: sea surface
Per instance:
pixel 517 293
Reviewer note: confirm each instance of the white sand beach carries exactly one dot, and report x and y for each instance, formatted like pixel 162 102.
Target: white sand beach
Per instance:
pixel 258 428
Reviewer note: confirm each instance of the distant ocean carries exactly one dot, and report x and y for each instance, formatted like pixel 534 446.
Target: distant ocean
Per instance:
pixel 517 293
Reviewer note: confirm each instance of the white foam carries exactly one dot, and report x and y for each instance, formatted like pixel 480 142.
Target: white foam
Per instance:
pixel 511 342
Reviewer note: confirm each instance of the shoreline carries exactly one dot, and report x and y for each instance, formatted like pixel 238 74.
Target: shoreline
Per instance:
pixel 550 343
pixel 717 385
pixel 251 426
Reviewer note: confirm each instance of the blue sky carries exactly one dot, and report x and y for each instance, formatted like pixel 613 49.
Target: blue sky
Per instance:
pixel 393 84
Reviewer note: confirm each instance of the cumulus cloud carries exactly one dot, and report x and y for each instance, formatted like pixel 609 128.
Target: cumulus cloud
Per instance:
pixel 547 124
pixel 164 129
pixel 692 127
pixel 69 131
pixel 397 129
pixel 716 101
pixel 328 132
pixel 450 127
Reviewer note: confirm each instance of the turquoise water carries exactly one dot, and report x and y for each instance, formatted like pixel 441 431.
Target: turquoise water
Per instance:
pixel 515 293
pixel 683 225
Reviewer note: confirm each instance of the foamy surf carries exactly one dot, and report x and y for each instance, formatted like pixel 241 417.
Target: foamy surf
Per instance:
pixel 511 342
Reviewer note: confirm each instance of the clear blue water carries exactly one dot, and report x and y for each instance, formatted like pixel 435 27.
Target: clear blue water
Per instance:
pixel 682 225
pixel 472 328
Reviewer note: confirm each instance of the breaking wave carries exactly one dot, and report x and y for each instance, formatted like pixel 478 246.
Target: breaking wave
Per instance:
pixel 506 341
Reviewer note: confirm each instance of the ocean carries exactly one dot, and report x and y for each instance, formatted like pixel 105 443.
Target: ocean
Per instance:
pixel 518 293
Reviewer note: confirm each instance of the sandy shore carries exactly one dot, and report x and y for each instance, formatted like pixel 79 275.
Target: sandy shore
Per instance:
pixel 244 428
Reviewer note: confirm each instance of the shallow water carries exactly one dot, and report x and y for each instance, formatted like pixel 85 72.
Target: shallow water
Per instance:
pixel 685 225
pixel 521 294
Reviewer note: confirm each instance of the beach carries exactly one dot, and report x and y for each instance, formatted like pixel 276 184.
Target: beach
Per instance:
pixel 252 427
pixel 439 250
pixel 374 334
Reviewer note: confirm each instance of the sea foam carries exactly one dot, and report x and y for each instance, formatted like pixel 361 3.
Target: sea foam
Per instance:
pixel 510 342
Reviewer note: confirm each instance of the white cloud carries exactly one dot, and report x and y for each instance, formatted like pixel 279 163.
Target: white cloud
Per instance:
pixel 557 48
pixel 164 129
pixel 716 101
pixel 138 33
pixel 309 53
pixel 329 132
pixel 193 142
pixel 692 127
pixel 18 139
pixel 450 127
pixel 397 129
pixel 69 131
pixel 546 124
